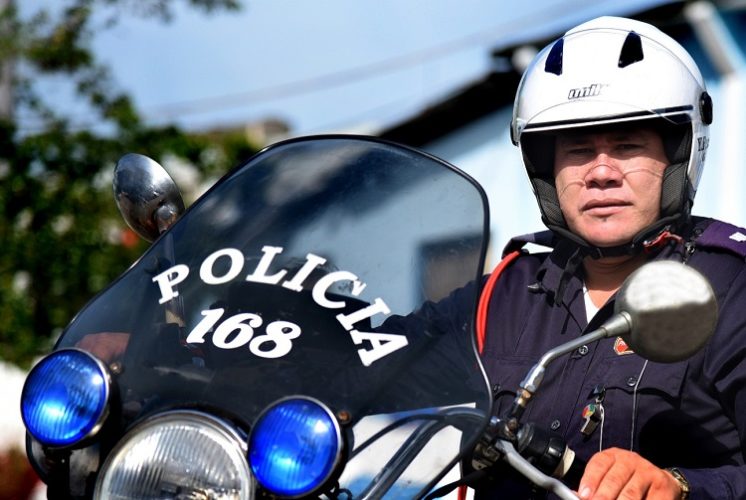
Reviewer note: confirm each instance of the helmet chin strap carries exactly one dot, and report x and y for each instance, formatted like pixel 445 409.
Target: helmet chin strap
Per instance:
pixel 640 242
pixel 636 245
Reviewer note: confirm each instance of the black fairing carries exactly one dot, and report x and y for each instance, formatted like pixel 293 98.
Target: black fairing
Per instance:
pixel 405 224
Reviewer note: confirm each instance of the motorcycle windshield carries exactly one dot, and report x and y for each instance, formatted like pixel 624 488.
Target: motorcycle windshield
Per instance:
pixel 339 268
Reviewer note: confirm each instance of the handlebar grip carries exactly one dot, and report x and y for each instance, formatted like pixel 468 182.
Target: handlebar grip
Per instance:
pixel 550 454
pixel 574 472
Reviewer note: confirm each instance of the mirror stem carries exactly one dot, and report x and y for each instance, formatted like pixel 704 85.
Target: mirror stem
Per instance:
pixel 164 217
pixel 619 324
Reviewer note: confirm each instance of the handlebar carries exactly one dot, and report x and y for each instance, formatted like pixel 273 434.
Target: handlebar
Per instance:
pixel 541 456
pixel 530 472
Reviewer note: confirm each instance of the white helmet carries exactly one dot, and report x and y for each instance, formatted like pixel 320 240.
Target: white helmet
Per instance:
pixel 609 71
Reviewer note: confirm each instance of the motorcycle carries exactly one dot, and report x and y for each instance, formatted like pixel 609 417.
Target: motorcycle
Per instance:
pixel 285 337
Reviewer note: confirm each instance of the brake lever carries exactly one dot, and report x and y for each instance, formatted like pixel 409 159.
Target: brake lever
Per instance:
pixel 525 468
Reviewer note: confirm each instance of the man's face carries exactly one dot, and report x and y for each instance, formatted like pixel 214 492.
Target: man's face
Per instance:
pixel 609 182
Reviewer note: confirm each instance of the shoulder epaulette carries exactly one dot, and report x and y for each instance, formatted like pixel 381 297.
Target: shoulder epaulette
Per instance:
pixel 723 236
pixel 542 238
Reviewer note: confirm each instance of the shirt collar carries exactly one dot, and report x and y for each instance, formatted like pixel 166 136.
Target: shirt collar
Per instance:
pixel 550 274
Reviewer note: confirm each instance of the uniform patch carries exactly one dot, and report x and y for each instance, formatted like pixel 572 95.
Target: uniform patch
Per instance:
pixel 738 236
pixel 621 347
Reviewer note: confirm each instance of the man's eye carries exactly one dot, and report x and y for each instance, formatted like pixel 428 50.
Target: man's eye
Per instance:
pixel 629 146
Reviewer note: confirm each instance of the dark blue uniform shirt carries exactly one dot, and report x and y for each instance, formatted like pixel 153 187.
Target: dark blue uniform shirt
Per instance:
pixel 690 414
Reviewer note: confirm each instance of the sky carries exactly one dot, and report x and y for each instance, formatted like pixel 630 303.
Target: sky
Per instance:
pixel 326 65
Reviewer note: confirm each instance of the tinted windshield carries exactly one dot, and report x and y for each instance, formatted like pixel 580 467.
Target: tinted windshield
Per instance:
pixel 322 267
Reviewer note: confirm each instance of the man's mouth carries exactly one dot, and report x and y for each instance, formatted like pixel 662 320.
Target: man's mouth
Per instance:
pixel 604 207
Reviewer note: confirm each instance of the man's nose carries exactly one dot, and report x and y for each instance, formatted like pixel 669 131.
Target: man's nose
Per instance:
pixel 603 172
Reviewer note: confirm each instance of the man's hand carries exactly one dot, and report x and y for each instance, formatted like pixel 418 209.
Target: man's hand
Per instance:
pixel 617 473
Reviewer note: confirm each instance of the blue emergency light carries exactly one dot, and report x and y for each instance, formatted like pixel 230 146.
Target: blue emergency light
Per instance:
pixel 294 447
pixel 65 398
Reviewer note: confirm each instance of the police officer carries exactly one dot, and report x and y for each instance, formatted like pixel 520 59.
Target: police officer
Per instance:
pixel 612 121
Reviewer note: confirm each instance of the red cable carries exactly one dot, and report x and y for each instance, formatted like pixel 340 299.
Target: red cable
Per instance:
pixel 481 326
pixel 484 299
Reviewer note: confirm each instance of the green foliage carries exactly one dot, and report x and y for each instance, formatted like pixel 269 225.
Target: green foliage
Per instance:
pixel 62 237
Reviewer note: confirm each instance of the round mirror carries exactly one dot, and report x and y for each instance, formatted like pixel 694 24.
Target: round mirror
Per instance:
pixel 672 308
pixel 147 197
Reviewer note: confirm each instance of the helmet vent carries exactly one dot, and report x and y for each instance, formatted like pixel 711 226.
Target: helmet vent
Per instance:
pixel 553 63
pixel 631 50
pixel 705 107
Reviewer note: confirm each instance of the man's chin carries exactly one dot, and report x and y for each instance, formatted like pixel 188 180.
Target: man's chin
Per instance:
pixel 608 239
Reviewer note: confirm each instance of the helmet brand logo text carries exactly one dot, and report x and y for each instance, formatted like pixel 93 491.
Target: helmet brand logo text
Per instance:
pixel 591 90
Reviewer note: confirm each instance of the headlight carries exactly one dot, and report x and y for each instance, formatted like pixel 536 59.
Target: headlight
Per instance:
pixel 294 447
pixel 180 454
pixel 65 398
